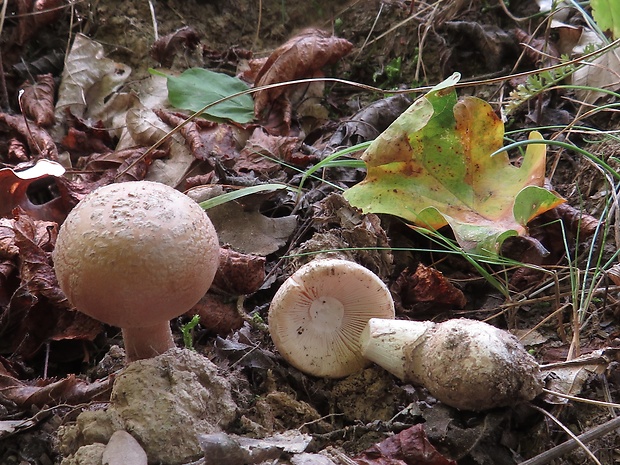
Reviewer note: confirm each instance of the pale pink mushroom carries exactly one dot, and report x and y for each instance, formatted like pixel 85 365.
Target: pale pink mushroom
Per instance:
pixel 135 255
pixel 318 314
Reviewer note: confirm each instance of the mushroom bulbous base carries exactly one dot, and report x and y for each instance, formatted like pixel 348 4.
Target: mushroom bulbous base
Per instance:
pixel 471 365
pixel 466 364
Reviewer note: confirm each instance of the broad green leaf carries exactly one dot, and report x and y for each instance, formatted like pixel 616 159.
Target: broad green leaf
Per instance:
pixel 607 15
pixel 197 87
pixel 433 167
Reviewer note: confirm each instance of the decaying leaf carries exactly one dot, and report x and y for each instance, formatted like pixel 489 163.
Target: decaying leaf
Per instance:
pixel 37 310
pixel 569 377
pixel 166 48
pixel 370 121
pixel 39 141
pixel 145 128
pixel 251 231
pixel 47 11
pixel 238 274
pixel 426 285
pixel 433 167
pixel 103 168
pixel 300 57
pixel 409 447
pixel 189 131
pixel 16 151
pixel 88 79
pixel 602 72
pixel 218 314
pixel 37 100
pixel 69 390
pixel 262 152
pixel 246 229
pixel 32 189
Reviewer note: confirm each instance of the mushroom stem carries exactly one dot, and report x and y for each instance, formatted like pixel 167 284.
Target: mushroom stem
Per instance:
pixel 464 363
pixel 147 341
pixel 384 342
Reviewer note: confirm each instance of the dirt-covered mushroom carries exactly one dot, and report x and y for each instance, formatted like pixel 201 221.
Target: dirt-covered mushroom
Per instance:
pixel 464 363
pixel 318 314
pixel 135 255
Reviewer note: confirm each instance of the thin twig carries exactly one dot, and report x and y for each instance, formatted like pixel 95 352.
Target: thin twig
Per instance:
pixel 578 442
pixel 565 447
pixel 154 18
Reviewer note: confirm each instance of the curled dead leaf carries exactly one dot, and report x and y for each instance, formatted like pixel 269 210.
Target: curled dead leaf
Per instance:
pixel 37 100
pixel 409 447
pixel 218 314
pixel 39 142
pixel 33 190
pixel 69 391
pixel 427 285
pixel 300 57
pixel 37 310
pixel 166 48
pixel 238 273
pixel 190 131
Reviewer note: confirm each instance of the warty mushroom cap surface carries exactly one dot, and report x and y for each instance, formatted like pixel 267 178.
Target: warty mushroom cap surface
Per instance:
pixel 318 314
pixel 132 254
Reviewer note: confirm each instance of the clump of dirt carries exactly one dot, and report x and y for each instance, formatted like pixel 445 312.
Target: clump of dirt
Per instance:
pixel 164 402
pixel 129 28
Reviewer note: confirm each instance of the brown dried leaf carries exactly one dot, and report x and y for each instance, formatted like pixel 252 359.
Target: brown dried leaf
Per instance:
pixel 16 151
pixel 218 314
pixel 34 190
pixel 579 222
pixel 260 150
pixel 300 57
pixel 409 447
pixel 189 131
pixel 100 169
pixel 427 285
pixel 238 273
pixel 47 11
pixel 37 101
pixel 35 241
pixel 166 48
pixel 39 142
pixel 82 143
pixel 84 138
pixel 369 122
pixel 69 390
pixel 38 311
pixel 25 26
pixel 537 51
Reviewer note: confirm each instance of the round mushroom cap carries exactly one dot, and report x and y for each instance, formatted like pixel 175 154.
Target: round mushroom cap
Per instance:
pixel 136 254
pixel 318 314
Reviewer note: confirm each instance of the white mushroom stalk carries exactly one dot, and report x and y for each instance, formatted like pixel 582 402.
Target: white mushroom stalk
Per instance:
pixel 318 314
pixel 467 364
pixel 135 255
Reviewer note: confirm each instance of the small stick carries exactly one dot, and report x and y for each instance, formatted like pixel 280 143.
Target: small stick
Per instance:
pixel 561 449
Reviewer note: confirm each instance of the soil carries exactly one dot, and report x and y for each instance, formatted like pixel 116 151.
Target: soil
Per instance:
pixel 396 44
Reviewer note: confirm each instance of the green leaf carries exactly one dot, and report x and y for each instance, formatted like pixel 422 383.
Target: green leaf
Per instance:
pixel 606 13
pixel 433 167
pixel 196 88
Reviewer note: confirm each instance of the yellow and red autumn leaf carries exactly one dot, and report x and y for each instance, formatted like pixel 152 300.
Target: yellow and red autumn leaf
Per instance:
pixel 434 167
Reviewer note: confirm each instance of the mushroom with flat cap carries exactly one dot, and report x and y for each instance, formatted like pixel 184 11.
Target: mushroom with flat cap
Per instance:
pixel 318 314
pixel 135 255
